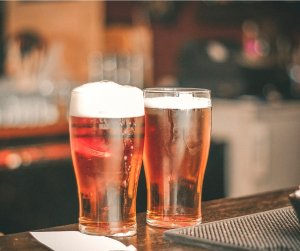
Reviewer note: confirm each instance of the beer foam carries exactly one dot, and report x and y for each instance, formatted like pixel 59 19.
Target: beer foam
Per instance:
pixel 106 99
pixel 182 102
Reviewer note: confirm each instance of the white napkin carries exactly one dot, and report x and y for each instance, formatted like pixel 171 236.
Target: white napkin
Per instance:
pixel 76 241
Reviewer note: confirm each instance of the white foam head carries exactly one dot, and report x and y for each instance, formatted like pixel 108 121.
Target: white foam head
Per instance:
pixel 106 99
pixel 183 101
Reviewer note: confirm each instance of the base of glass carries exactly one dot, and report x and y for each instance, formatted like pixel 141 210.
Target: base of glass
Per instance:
pixel 117 232
pixel 172 221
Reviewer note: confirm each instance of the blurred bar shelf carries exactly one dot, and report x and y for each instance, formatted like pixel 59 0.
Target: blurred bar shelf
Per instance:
pixel 37 131
pixel 30 145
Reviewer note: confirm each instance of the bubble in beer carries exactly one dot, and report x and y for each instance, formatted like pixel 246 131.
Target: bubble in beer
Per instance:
pixel 106 99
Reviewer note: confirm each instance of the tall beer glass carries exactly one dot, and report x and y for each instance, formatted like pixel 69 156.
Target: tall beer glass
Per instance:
pixel 107 139
pixel 177 141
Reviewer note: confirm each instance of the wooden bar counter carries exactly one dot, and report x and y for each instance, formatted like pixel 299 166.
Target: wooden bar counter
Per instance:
pixel 149 238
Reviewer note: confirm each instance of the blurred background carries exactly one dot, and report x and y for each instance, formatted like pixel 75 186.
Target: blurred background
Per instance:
pixel 247 53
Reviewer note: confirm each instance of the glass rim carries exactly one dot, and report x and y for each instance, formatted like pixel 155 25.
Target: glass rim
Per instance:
pixel 176 89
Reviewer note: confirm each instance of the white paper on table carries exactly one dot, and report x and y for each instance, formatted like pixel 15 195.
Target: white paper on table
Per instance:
pixel 76 241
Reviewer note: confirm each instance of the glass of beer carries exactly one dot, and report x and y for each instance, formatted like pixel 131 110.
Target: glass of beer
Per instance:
pixel 177 141
pixel 107 140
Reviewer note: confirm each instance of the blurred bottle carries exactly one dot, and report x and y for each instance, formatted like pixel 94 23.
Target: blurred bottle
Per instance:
pixel 34 90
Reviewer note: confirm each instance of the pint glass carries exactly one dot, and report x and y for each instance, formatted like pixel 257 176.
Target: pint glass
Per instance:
pixel 107 139
pixel 177 141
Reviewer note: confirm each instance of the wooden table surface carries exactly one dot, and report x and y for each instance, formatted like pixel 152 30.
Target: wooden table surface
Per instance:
pixel 150 238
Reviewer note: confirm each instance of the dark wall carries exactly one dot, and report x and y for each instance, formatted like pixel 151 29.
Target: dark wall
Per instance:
pixel 38 196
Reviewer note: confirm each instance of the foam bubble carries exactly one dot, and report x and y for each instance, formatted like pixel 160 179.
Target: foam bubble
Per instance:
pixel 106 99
pixel 186 101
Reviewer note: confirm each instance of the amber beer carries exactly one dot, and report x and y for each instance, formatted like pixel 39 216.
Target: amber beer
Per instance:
pixel 177 141
pixel 107 138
